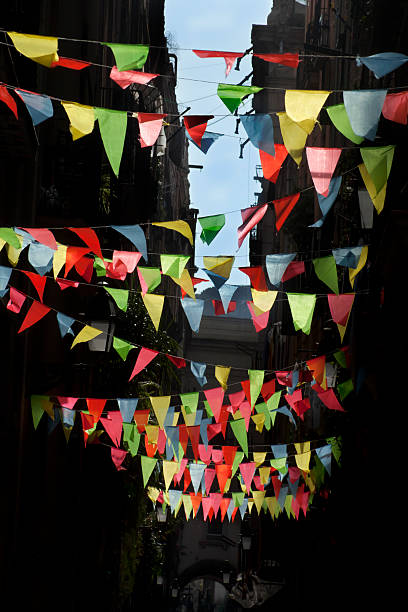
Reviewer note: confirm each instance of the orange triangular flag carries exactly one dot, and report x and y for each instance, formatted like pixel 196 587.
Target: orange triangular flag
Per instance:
pixel 271 165
pixel 223 472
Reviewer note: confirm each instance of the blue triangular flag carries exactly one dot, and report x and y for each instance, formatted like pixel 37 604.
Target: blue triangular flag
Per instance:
pixel 127 407
pixel 382 63
pixel 193 309
pixel 327 202
pixel 5 274
pixel 295 380
pixel 276 265
pixel 39 106
pixel 40 257
pixel 203 431
pixel 51 424
pixel 243 507
pixel 293 486
pixel 198 369
pixel 68 417
pixel 348 256
pixel 279 450
pixel 168 421
pixel 230 509
pixel 136 235
pixel 196 473
pixel 259 128
pixel 282 496
pixel 199 417
pixel 217 280
pixel 324 453
pixel 173 439
pixel 363 109
pixel 65 322
pixel 285 410
pixel 174 498
pixel 226 292
pixel 207 139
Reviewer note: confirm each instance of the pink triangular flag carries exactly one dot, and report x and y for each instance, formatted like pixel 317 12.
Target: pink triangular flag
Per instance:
pixel 16 300
pixel 322 163
pixel 113 426
pixel 209 475
pixel 118 455
pixel 396 107
pixel 225 502
pixel 215 398
pixel 330 400
pixel 213 430
pixel 205 453
pixel 42 235
pixel 179 475
pixel 124 78
pixel 64 283
pixel 259 321
pixel 130 259
pixel 294 473
pixel 340 306
pixel 250 217
pixel 216 502
pixel 247 471
pixel 217 456
pixel 67 402
pixel 236 399
pixel 37 311
pixel 245 410
pixel 143 359
pixel 150 125
pixel 229 57
pixel 294 269
pixel 207 506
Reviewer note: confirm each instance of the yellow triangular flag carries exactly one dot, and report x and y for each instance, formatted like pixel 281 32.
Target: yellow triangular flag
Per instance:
pixel 263 300
pixel 153 493
pixel 302 447
pixel 259 458
pixel 178 226
pixel 152 433
pixel 170 468
pixel 160 407
pixel 310 482
pixel 221 374
pixel 377 199
pixel 259 497
pixel 185 283
pixel 40 49
pixel 264 473
pixel 361 263
pixel 176 510
pixel 304 105
pixel 175 419
pixel 188 505
pixel 270 502
pixel 227 485
pixel 189 419
pixel 259 420
pixel 81 119
pixel 59 259
pixel 294 136
pixel 250 505
pixel 13 254
pixel 2 243
pixel 154 306
pixel 87 333
pixel 303 460
pixel 219 265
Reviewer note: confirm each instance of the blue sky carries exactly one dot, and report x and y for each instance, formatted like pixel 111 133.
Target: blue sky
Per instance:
pixel 226 182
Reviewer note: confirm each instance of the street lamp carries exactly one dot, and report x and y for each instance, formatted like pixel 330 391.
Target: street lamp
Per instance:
pixel 246 542
pixel 161 514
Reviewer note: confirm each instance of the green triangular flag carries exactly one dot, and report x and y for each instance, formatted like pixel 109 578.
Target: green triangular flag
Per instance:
pixel 99 266
pixel 318 471
pixel 122 347
pixel 340 120
pixel 239 430
pixel 39 405
pixel 210 413
pixel 120 296
pixel 190 401
pixel 238 498
pixel 256 378
pixel 149 277
pixel 273 402
pixel 132 437
pixel 340 357
pixel 336 449
pixel 148 465
pixel 210 227
pixel 345 388
pixel 129 57
pixel 326 271
pixel 279 464
pixel 239 455
pixel 302 306
pixel 232 95
pixel 173 265
pixel 288 505
pixel 378 161
pixel 10 236
pixel 263 409
pixel 112 126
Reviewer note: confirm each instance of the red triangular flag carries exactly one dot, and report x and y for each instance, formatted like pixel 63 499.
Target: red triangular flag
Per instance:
pixel 246 386
pixel 268 389
pixel 84 267
pixel 187 479
pixel 219 308
pixel 16 300
pixel 340 306
pixel 37 311
pixel 194 435
pixel 150 448
pixel 143 359
pixel 250 217
pixel 196 126
pixel 317 366
pixel 113 426
pixel 224 420
pixel 74 254
pixel 67 62
pixel 90 238
pixel 256 276
pixel 183 436
pixel 179 362
pixel 229 453
pixel 42 235
pixel 223 472
pixel 330 400
pixel 283 208
pixel 213 430
pixel 118 456
pixel 8 100
pixel 215 398
pixel 38 282
pixel 225 502
pixel 205 453
pixel 259 321
pixel 161 441
pixel 277 484
pixel 64 283
pixel 95 407
pixel 271 165
pixel 229 57
pixel 286 59
pixel 294 269
pixel 141 418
